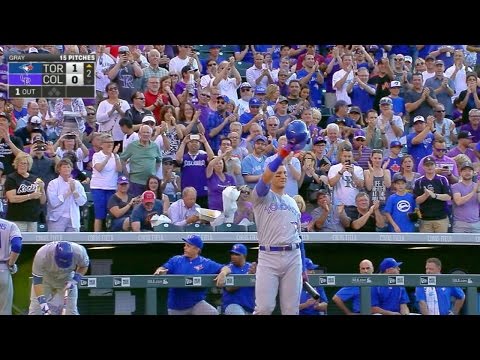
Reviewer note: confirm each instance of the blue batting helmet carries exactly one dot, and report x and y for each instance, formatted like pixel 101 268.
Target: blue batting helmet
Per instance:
pixel 297 134
pixel 63 254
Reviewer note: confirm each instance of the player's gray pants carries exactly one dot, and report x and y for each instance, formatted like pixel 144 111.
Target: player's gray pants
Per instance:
pixel 278 271
pixel 6 292
pixel 200 308
pixel 235 309
pixel 54 296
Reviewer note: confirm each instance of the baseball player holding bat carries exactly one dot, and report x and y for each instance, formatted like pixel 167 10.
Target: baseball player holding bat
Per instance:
pixel 57 268
pixel 277 216
pixel 10 248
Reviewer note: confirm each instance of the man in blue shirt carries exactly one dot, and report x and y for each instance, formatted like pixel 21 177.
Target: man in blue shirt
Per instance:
pixel 390 300
pixel 437 300
pixel 352 292
pixel 239 300
pixel 191 301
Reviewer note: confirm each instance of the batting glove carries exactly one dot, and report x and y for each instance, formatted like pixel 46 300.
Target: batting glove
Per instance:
pixel 43 305
pixel 13 269
pixel 72 283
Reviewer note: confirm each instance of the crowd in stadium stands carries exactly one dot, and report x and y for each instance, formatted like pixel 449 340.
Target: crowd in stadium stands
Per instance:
pixel 395 137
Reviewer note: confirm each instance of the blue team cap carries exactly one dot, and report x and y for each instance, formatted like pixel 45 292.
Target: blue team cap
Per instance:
pixel 388 263
pixel 310 265
pixel 224 98
pixel 63 254
pixel 260 90
pixel 254 102
pixel 194 240
pixel 239 249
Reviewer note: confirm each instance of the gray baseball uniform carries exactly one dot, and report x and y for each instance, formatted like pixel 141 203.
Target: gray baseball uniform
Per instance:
pixel 54 278
pixel 8 231
pixel 279 258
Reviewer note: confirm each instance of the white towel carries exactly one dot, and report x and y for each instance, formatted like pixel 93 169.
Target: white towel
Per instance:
pixel 432 300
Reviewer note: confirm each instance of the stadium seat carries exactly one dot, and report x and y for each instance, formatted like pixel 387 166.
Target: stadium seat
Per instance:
pixel 198 228
pixel 242 68
pixel 166 227
pixel 229 227
pixel 252 228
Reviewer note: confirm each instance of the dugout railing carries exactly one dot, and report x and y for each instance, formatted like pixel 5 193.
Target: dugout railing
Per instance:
pixel 151 282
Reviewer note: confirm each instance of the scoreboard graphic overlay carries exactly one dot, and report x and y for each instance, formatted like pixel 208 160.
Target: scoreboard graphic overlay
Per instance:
pixel 51 76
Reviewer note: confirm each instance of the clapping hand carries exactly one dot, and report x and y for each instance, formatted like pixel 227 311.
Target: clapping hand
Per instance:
pixel 429 192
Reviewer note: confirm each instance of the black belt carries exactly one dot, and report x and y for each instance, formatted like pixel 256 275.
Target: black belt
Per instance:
pixel 280 248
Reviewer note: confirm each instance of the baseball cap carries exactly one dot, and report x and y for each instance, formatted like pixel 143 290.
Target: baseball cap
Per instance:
pixel 260 90
pixel 123 49
pixel 395 83
pixel 319 140
pixel 408 59
pixel 467 164
pixel 1 49
pixel 398 177
pixel 388 263
pixel 396 143
pixel 38 137
pixel 282 99
pixel 239 249
pixel 418 118
pixel 148 197
pixel 33 50
pixel 122 180
pixel 224 98
pixel 148 118
pixel 245 85
pixel 214 46
pixel 429 57
pixel 35 121
pixel 4 115
pixel 194 240
pixel 465 135
pixel 310 265
pixel 439 62
pixel 386 100
pixel 260 137
pixel 359 133
pixel 355 109
pixel 167 159
pixel 428 159
pixel 63 254
pixel 254 102
pixel 186 69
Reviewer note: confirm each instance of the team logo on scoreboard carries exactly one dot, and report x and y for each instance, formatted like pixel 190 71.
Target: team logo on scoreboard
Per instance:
pixel 26 68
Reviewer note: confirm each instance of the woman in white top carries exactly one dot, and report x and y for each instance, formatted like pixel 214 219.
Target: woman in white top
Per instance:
pixel 65 196
pixel 106 166
pixel 109 113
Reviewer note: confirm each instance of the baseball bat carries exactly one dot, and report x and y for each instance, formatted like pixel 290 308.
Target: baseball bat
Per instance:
pixel 311 290
pixel 65 300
